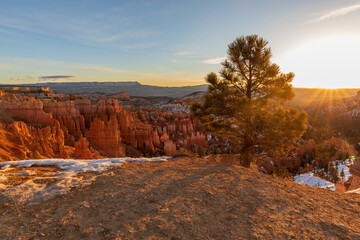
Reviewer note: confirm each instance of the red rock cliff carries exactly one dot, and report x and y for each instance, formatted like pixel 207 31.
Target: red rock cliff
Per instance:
pixel 19 141
pixel 107 126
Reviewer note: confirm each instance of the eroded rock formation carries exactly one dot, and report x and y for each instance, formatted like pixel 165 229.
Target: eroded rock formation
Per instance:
pixel 25 109
pixel 83 151
pixel 19 141
pixel 105 136
pixel 107 127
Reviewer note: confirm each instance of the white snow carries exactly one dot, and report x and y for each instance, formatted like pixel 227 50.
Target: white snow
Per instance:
pixel 64 180
pixel 343 166
pixel 263 169
pixel 75 165
pixel 311 180
pixel 354 191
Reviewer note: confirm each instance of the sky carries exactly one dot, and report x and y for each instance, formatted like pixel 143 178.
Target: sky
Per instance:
pixel 175 43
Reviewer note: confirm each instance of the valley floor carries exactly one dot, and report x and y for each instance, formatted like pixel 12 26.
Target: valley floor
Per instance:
pixel 185 199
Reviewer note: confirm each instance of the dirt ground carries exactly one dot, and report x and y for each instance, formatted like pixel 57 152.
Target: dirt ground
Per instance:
pixel 185 199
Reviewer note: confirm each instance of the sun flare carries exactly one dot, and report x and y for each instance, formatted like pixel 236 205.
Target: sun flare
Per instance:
pixel 330 63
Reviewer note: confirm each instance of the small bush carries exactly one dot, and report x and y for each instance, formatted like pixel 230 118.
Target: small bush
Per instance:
pixel 283 173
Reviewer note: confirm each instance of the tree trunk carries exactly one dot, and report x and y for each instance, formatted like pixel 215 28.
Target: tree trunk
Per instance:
pixel 245 159
pixel 246 155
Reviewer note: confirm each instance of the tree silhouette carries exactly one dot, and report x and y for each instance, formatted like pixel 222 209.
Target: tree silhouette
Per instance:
pixel 244 103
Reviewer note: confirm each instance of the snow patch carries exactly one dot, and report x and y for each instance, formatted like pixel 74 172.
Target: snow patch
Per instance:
pixel 33 191
pixel 343 166
pixel 263 169
pixel 80 166
pixel 354 191
pixel 313 181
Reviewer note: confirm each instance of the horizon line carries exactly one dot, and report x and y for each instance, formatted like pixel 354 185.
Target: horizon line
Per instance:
pixel 55 82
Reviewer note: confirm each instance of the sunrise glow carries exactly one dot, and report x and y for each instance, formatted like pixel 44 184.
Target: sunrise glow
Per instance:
pixel 329 62
pixel 175 44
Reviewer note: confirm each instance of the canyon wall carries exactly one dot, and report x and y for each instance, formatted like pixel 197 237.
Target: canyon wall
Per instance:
pixel 94 130
pixel 20 141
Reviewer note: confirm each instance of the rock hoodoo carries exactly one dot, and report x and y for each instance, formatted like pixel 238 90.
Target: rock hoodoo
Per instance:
pixel 102 126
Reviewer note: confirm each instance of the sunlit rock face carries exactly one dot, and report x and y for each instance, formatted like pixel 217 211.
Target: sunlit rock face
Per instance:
pixel 25 109
pixel 105 136
pixel 104 128
pixel 20 141
pixel 83 151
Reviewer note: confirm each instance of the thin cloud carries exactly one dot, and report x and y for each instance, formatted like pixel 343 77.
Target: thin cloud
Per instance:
pixel 8 32
pixel 17 24
pixel 127 35
pixel 214 60
pixel 55 77
pixel 181 54
pixel 140 45
pixel 86 31
pixel 336 13
pixel 103 69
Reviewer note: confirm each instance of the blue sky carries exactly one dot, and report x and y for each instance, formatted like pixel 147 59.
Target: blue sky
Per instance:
pixel 174 43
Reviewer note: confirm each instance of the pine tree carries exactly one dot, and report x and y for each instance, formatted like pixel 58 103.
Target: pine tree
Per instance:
pixel 342 175
pixel 333 173
pixel 244 103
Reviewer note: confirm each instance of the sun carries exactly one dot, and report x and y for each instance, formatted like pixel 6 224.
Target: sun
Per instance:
pixel 329 62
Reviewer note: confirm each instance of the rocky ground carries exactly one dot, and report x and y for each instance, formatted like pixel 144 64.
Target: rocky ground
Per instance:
pixel 185 199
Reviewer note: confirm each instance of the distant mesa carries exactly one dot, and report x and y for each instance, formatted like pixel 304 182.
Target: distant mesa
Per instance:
pixel 133 88
pixel 303 96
